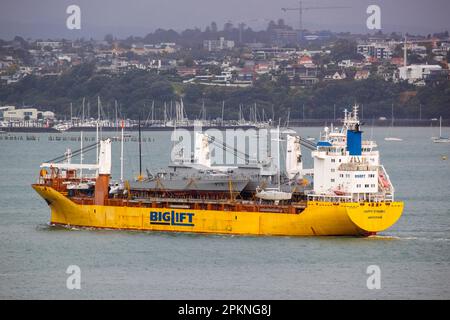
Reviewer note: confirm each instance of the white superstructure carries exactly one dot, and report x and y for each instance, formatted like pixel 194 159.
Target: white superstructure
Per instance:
pixel 346 167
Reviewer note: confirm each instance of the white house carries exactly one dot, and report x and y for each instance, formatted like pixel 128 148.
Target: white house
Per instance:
pixel 417 72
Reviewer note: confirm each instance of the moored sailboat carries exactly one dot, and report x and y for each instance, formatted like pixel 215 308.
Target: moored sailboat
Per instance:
pixel 441 139
pixel 391 138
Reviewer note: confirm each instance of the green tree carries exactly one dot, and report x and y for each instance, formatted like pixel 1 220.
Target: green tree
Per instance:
pixel 344 49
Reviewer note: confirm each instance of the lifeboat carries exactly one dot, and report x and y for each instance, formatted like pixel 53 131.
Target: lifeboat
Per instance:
pixel 338 192
pixel 384 181
pixel 273 194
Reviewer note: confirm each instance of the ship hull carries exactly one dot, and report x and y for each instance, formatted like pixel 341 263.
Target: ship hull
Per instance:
pixel 318 218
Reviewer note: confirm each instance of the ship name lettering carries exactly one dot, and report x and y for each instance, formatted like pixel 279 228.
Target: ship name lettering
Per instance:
pixel 374 211
pixel 172 218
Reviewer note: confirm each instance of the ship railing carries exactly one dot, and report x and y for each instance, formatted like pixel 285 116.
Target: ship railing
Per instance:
pixel 311 196
pixel 48 178
pixel 389 196
pixel 385 197
pixel 369 143
pixel 377 197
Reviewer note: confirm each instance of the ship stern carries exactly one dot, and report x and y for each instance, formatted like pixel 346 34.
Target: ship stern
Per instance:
pixel 374 217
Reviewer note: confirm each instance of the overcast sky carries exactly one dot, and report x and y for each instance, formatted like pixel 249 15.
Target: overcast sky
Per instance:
pixel 47 18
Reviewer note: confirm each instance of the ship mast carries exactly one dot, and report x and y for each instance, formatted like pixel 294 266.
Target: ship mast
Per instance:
pixel 81 156
pixel 278 158
pixel 140 149
pixel 96 126
pixel 121 153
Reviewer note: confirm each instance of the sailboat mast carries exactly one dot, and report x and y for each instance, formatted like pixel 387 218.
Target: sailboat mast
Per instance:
pixel 153 111
pixel 223 107
pixel 82 113
pixel 392 115
pixel 115 107
pixel 165 113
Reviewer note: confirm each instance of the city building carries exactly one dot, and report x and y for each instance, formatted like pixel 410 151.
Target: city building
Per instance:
pixel 419 73
pixel 285 36
pixel 306 76
pixel 51 44
pixel 362 74
pixel 186 71
pixel 335 76
pixel 10 113
pixel 375 50
pixel 218 45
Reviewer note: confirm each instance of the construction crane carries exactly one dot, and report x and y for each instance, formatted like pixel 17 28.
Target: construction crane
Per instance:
pixel 301 9
pixel 409 43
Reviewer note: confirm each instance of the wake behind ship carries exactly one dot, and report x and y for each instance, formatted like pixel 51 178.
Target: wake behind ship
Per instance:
pixel 347 192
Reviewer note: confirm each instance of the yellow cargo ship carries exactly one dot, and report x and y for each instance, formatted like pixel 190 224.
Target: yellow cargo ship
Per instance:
pixel 351 194
pixel 316 219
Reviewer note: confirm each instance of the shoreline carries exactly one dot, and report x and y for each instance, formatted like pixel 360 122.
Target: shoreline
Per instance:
pixel 291 124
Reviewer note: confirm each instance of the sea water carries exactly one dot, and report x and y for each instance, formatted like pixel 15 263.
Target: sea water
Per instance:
pixel 413 256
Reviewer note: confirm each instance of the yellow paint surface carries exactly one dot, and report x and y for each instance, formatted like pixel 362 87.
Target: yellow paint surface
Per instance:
pixel 319 218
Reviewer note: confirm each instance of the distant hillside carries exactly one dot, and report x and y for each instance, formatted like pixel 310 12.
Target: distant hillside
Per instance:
pixel 135 92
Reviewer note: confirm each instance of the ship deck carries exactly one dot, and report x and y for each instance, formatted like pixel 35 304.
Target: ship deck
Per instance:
pixel 199 204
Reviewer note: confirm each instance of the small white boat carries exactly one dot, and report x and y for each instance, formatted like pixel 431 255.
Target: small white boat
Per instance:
pixel 273 194
pixel 80 186
pixel 393 139
pixel 441 140
pixel 289 131
pixel 116 188
pixel 61 127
